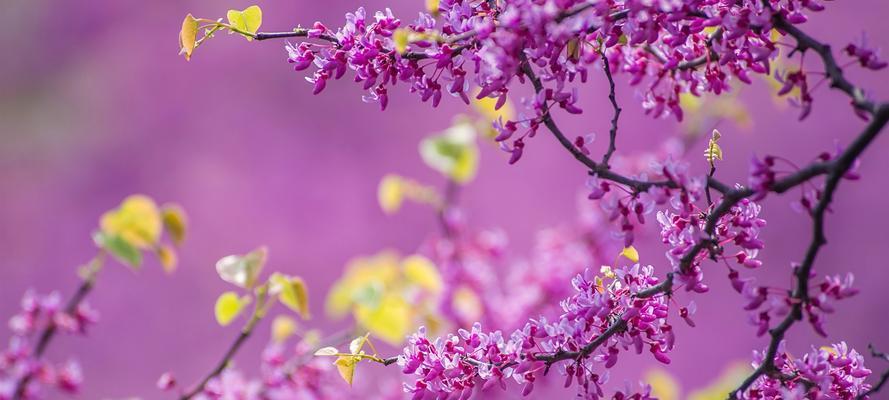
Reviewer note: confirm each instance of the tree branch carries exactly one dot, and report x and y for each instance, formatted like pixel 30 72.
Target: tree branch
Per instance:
pixel 837 169
pixel 86 286
pixel 612 136
pixel 245 333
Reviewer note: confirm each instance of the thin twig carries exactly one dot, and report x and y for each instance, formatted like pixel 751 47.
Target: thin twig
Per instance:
pixel 258 314
pixel 86 286
pixel 612 134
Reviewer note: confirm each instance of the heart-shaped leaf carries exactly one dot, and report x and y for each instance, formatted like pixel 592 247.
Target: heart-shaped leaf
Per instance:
pixel 247 20
pixel 229 306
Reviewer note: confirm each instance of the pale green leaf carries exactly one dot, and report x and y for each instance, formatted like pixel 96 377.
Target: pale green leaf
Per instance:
pixel 121 249
pixel 327 351
pixel 242 270
pixel 247 20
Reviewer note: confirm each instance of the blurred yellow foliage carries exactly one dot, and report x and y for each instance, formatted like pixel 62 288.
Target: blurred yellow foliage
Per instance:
pixel 387 295
pixel 454 152
pixel 665 387
pixel 394 189
pixel 136 226
pixel 137 221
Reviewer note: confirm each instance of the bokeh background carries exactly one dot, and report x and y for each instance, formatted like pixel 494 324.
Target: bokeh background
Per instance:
pixel 95 104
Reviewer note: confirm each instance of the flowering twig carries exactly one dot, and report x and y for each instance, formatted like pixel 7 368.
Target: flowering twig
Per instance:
pixel 599 169
pixel 833 70
pixel 258 313
pixel 837 169
pixel 88 280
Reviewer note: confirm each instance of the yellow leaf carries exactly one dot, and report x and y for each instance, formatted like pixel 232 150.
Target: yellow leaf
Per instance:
pixel 713 152
pixel 401 37
pixel 466 166
pixel 228 306
pixel 282 328
pixel 175 222
pixel 242 270
pixel 454 152
pixel 467 303
pixel 346 367
pixel 485 107
pixel 363 276
pixel 390 193
pixel 422 272
pixel 327 351
pixel 188 36
pixel 167 257
pixel 247 20
pixel 292 292
pixel 730 378
pixel 390 320
pixel 630 253
pixel 432 7
pixel 663 385
pixel 137 221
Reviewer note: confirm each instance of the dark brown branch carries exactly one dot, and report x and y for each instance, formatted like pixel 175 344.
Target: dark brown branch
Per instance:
pixel 879 386
pixel 833 70
pixel 612 134
pixel 837 169
pixel 616 327
pixel 599 170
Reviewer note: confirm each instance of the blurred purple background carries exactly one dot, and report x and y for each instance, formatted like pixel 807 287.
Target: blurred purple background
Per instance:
pixel 97 105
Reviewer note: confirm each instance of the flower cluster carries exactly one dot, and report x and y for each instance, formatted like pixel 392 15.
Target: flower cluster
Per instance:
pixel 835 372
pixel 686 228
pixel 765 303
pixel 763 175
pixel 603 318
pixel 20 363
pixel 486 281
pixel 676 46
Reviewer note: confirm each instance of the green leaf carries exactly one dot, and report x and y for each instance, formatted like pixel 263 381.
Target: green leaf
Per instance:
pixel 228 306
pixel 247 20
pixel 175 222
pixel 121 249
